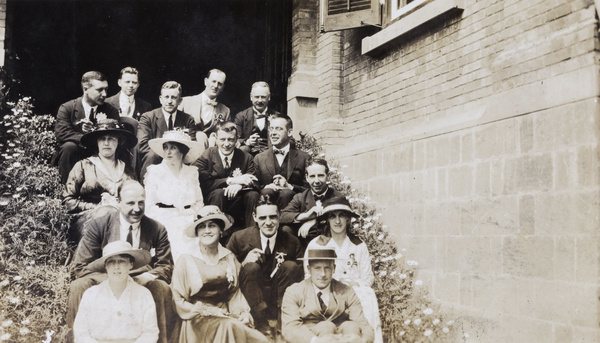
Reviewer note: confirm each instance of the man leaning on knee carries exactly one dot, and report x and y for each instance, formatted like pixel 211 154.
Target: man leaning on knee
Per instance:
pixel 321 309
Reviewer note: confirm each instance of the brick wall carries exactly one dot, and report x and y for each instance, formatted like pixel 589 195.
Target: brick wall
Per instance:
pixel 477 138
pixel 2 30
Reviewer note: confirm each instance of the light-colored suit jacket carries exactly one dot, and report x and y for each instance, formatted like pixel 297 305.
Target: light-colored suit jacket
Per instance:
pixel 300 310
pixel 192 105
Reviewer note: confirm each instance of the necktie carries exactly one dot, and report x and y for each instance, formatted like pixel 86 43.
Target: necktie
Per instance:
pixel 268 248
pixel 278 151
pixel 92 115
pixel 130 235
pixel 259 115
pixel 227 162
pixel 321 302
pixel 170 122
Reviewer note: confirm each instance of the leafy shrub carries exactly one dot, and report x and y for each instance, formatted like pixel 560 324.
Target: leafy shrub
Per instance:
pixel 33 240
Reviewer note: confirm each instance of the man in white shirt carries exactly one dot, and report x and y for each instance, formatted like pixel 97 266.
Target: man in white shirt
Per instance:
pixel 316 309
pixel 155 123
pixel 206 110
pixel 128 104
pixel 254 121
pixel 269 263
pixel 77 117
pixel 128 224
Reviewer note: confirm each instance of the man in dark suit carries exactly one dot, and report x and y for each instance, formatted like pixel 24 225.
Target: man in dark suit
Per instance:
pixel 321 309
pixel 300 215
pixel 269 262
pixel 227 176
pixel 77 117
pixel 153 124
pixel 128 104
pixel 254 121
pixel 280 169
pixel 128 224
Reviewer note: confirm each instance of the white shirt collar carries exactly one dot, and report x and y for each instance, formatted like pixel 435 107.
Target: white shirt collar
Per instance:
pixel 167 115
pixel 324 293
pixel 285 149
pixel 272 240
pixel 206 99
pixel 87 108
pixel 125 99
pixel 230 156
pixel 125 230
pixel 259 112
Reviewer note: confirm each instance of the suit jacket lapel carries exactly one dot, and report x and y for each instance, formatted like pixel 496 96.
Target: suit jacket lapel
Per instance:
pixel 114 230
pixel 161 125
pixel 271 163
pixel 145 238
pixel 291 156
pixel 79 112
pixel 218 163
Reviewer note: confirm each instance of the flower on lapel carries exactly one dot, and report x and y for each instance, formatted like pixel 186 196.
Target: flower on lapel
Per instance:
pixel 230 277
pixel 280 257
pixel 220 117
pixel 237 172
pixel 101 116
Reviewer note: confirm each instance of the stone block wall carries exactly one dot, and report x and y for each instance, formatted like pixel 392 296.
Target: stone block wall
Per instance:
pixel 477 138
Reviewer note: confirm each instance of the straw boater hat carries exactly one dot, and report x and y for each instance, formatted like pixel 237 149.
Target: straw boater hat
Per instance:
pixel 209 212
pixel 320 254
pixel 141 257
pixel 109 126
pixel 181 137
pixel 337 204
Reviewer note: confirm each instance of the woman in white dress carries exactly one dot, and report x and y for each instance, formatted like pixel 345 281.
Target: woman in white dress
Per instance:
pixel 353 266
pixel 173 194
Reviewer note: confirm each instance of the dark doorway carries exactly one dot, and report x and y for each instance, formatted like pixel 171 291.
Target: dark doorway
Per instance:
pixel 50 44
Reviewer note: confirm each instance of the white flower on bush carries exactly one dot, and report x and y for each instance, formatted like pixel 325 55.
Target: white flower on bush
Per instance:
pixel 428 311
pixel 17 278
pixel 4 283
pixel 5 337
pixel 7 323
pixel 41 203
pixel 436 321
pixel 380 237
pixel 418 282
pixel 25 321
pixel 48 336
pixel 14 300
pixel 411 262
pixel 16 164
pixel 402 276
pixel 450 322
pixel 383 273
pixel 24 331
pixel 402 333
pixel 417 321
pixel 446 330
pixel 428 332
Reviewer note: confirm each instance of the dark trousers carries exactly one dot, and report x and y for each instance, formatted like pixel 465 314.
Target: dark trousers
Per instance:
pixel 65 158
pixel 264 293
pixel 281 196
pixel 168 320
pixel 146 160
pixel 240 207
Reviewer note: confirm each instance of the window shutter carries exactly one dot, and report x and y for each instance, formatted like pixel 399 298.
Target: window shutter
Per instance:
pixel 347 14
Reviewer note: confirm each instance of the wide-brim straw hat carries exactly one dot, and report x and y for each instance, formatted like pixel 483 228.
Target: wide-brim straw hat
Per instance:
pixel 320 254
pixel 107 127
pixel 209 212
pixel 141 257
pixel 180 137
pixel 337 204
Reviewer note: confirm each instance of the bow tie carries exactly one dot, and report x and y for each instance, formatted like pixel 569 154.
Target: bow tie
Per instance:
pixel 211 102
pixel 319 197
pixel 259 115
pixel 278 151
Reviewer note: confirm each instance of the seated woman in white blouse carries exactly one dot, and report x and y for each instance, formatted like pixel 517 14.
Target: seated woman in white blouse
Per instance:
pixel 118 309
pixel 353 266
pixel 173 194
